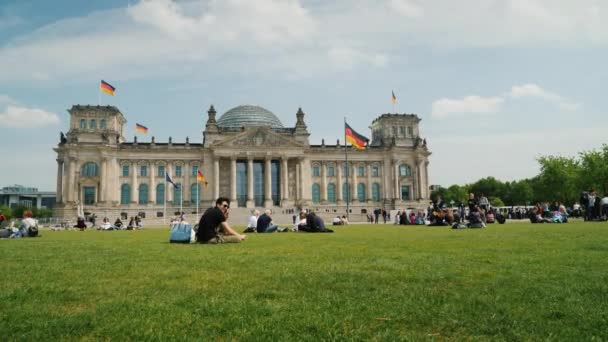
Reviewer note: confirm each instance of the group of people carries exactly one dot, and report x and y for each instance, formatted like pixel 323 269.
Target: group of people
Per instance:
pixel 596 207
pixel 377 213
pixel 135 222
pixel 28 227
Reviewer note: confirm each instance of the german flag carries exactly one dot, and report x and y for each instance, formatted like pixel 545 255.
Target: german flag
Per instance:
pixel 201 178
pixel 356 139
pixel 141 128
pixel 107 88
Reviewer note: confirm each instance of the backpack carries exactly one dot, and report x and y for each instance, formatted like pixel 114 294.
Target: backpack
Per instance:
pixel 32 231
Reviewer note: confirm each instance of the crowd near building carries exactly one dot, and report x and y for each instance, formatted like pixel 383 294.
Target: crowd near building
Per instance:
pixel 247 155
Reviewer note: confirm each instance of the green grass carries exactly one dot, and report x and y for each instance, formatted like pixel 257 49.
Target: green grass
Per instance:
pixel 507 282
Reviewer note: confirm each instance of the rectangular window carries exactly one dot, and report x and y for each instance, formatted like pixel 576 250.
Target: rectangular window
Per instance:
pixel 410 132
pixel 375 171
pixel 345 170
pixel 143 170
pixel 331 172
pixel 402 131
pixel 405 192
pixel 125 170
pixel 178 171
pixel 361 171
pixel 194 170
pixel 315 171
pixel 89 195
pixel 141 214
pixel 394 131
pixel 83 123
pixel 161 171
pixel 159 214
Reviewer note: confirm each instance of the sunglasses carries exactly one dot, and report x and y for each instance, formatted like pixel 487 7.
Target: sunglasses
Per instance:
pixel 226 206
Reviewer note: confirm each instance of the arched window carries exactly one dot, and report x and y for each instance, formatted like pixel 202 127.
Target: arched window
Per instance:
pixel 361 192
pixel 177 193
pixel 143 194
pixel 102 124
pixel 125 194
pixel 83 123
pixel 92 124
pixel 316 193
pixel 405 170
pixel 89 169
pixel 160 194
pixel 376 192
pixel 194 189
pixel 346 192
pixel 331 193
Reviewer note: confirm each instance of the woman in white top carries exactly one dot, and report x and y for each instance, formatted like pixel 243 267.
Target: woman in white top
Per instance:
pixel 252 223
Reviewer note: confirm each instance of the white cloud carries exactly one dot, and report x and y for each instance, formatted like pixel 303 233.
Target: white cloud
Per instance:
pixel 469 104
pixel 5 99
pixel 534 90
pixel 407 8
pixel 479 105
pixel 15 116
pixel 344 58
pixel 287 37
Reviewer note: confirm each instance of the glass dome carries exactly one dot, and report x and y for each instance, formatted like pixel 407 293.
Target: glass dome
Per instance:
pixel 249 116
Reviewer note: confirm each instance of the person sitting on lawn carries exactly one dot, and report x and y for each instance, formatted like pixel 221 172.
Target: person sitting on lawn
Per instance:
pixel 336 221
pixel 264 224
pixel 213 227
pixel 301 222
pixel 80 224
pixel 536 216
pixel 118 223
pixel 252 223
pixel 344 220
pixel 419 220
pixel 561 215
pixel 106 225
pixel 475 218
pixel 139 224
pixel 28 226
pixel 314 224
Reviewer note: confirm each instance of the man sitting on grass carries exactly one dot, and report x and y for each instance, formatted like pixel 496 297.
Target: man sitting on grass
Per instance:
pixel 213 228
pixel 264 224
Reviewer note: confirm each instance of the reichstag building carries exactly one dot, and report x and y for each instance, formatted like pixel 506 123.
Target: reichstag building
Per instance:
pixel 248 155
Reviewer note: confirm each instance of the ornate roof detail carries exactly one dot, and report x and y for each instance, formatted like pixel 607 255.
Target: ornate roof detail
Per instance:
pixel 249 116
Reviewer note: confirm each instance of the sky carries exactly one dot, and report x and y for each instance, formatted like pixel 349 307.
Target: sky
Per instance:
pixel 497 83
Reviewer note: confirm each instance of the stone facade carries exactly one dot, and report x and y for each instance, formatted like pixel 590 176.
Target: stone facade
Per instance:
pixel 260 164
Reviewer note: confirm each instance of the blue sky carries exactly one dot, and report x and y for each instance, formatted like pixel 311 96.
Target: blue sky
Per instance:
pixel 497 83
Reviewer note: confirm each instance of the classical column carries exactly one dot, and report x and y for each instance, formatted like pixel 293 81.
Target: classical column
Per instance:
pixel 339 185
pixel 284 179
pixel 267 183
pixel 426 179
pixel 250 201
pixel 186 195
pixel 233 200
pixel 353 193
pixel 324 182
pixel 305 182
pixel 369 181
pixel 387 193
pixel 102 179
pixel 396 180
pixel 298 175
pixel 72 196
pixel 168 186
pixel 134 185
pixel 59 195
pixel 216 178
pixel 152 192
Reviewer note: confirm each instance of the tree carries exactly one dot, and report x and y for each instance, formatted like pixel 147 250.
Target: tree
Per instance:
pixel 594 170
pixel 558 179
pixel 488 186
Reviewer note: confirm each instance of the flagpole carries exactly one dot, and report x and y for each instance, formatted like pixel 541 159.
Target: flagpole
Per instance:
pixel 165 203
pixel 346 169
pixel 181 200
pixel 198 194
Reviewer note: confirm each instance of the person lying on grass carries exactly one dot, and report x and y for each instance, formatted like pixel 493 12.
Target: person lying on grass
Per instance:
pixel 213 228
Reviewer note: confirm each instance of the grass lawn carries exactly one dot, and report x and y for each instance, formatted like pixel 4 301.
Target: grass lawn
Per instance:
pixel 383 282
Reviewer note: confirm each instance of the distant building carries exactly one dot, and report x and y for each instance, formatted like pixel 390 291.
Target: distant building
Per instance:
pixel 246 155
pixel 22 196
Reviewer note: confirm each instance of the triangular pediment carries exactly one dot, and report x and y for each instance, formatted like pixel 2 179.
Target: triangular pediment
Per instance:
pixel 258 137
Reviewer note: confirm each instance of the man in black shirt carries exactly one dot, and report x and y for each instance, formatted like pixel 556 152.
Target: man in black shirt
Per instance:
pixel 213 228
pixel 264 224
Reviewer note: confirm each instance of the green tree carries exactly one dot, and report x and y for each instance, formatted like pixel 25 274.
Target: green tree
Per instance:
pixel 558 179
pixel 488 186
pixel 594 170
